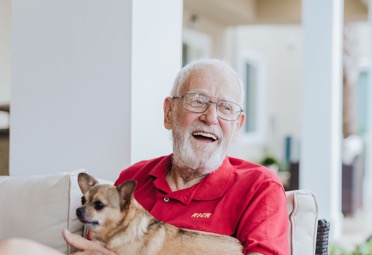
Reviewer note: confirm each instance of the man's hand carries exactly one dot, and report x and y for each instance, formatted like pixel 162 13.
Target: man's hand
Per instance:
pixel 84 246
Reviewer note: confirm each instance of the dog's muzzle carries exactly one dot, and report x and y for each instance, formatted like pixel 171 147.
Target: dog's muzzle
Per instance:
pixel 80 213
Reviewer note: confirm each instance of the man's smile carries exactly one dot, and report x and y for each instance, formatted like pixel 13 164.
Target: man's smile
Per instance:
pixel 208 137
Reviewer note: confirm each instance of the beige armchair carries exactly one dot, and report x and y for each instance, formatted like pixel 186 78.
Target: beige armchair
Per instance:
pixel 38 207
pixel 307 234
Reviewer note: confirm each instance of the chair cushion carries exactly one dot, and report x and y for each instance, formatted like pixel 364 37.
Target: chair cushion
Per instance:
pixel 303 218
pixel 38 207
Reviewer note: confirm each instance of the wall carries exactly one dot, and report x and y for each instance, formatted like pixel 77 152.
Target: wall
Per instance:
pixel 214 30
pixel 281 50
pixel 156 55
pixel 87 90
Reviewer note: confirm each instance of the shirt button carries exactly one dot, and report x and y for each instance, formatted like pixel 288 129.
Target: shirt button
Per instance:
pixel 166 199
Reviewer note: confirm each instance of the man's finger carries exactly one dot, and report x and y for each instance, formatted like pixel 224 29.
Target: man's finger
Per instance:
pixel 85 246
pixel 77 241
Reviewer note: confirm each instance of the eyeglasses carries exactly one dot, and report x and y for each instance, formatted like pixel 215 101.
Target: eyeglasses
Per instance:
pixel 199 103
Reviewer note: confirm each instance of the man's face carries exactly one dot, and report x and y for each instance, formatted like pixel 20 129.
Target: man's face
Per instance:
pixel 201 140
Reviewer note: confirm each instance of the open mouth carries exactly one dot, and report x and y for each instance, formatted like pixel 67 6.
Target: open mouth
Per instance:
pixel 208 137
pixel 91 223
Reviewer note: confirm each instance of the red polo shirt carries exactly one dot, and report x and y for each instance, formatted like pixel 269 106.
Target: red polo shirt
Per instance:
pixel 240 199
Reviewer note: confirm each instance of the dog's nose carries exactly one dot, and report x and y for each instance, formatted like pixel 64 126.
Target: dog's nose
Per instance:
pixel 80 212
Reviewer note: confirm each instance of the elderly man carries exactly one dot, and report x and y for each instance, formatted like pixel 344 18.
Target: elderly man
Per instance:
pixel 199 186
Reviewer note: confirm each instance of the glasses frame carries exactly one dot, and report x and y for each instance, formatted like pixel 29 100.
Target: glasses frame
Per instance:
pixel 239 113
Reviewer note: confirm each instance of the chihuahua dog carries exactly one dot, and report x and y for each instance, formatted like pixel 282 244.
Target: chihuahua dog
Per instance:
pixel 123 226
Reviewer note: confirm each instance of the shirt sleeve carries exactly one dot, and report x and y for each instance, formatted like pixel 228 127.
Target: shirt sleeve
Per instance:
pixel 264 225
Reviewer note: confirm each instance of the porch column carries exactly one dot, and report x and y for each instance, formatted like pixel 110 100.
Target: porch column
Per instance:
pixel 88 82
pixel 368 155
pixel 320 162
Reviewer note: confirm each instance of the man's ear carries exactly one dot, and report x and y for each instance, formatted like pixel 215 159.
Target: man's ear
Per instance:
pixel 167 107
pixel 241 120
pixel 239 124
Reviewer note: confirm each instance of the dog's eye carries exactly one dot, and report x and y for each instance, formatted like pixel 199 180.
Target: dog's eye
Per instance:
pixel 98 205
pixel 83 200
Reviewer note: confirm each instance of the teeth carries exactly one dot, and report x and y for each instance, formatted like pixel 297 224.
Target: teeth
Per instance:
pixel 206 135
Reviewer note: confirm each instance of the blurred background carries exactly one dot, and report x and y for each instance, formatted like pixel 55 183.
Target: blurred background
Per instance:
pixel 275 46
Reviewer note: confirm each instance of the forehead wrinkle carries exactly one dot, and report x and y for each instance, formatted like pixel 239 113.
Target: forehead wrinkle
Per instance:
pixel 220 75
pixel 205 93
pixel 186 74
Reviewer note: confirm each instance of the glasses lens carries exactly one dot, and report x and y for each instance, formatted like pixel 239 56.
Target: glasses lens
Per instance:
pixel 195 102
pixel 228 110
pixel 198 103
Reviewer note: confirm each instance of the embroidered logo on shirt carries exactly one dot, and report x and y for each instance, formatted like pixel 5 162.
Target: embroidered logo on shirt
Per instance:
pixel 201 215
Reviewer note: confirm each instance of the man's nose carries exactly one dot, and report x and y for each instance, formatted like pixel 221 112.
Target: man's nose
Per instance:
pixel 210 116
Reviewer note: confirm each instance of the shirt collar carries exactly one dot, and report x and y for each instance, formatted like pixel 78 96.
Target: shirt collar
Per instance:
pixel 212 186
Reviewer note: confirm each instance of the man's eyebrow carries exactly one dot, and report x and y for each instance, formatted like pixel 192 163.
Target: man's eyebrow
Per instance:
pixel 205 93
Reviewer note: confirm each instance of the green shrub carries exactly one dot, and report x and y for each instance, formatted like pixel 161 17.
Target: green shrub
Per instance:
pixel 269 160
pixel 359 249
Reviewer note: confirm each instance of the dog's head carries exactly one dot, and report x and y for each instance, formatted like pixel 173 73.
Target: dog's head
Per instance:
pixel 103 206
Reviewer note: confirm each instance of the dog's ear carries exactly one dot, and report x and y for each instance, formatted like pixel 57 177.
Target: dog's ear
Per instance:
pixel 126 192
pixel 86 182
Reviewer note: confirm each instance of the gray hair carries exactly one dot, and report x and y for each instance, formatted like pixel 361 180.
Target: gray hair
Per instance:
pixel 185 72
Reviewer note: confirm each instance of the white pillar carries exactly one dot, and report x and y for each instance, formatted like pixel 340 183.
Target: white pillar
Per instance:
pixel 320 165
pixel 368 137
pixel 88 82
pixel 5 7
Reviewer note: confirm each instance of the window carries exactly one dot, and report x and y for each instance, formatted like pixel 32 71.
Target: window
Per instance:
pixel 252 73
pixel 362 101
pixel 195 45
pixel 250 104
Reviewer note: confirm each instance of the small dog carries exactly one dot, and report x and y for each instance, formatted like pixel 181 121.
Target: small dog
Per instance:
pixel 123 226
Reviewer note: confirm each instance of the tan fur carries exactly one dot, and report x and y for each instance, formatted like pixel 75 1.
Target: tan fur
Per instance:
pixel 122 225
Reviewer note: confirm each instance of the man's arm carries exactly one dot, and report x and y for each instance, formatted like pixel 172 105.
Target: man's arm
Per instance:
pixel 87 247
pixel 264 225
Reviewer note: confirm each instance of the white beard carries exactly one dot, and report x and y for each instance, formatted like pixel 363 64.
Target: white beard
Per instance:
pixel 199 157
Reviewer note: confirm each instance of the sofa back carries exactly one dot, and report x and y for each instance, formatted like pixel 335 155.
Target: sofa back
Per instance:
pixel 38 207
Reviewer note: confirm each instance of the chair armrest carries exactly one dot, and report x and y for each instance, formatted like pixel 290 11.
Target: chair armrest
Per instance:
pixel 303 222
